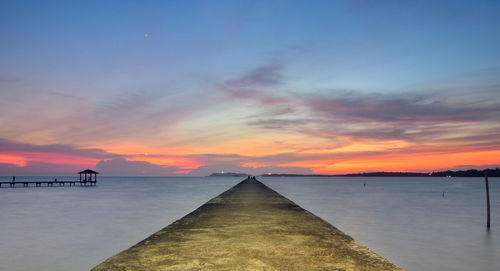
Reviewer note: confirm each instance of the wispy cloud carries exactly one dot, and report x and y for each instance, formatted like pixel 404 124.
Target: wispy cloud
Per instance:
pixel 8 146
pixel 52 159
pixel 264 76
pixel 123 167
pixel 407 107
pixel 125 114
pixel 260 84
pixel 36 168
pixel 8 79
pixel 414 116
pixel 280 124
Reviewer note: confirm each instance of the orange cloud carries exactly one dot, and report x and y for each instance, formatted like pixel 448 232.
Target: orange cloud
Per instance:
pixel 16 160
pixel 22 158
pixel 180 162
pixel 254 165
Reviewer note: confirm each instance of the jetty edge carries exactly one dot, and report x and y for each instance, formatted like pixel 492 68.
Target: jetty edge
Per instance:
pixel 248 227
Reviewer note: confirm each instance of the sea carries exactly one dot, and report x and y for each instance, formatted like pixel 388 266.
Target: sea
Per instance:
pixel 416 223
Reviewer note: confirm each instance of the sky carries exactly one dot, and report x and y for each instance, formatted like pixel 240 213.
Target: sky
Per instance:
pixel 163 88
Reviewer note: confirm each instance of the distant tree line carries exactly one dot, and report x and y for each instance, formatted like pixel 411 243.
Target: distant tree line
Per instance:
pixel 460 173
pixel 468 173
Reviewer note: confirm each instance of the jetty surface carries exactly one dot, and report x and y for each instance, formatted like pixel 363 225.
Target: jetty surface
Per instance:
pixel 248 227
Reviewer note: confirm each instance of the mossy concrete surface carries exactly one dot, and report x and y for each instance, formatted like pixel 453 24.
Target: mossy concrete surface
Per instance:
pixel 248 227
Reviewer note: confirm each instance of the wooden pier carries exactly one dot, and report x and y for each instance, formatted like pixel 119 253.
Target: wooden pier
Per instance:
pixel 46 183
pixel 86 179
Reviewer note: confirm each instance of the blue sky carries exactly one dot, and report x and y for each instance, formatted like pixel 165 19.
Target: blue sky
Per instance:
pixel 182 65
pixel 364 45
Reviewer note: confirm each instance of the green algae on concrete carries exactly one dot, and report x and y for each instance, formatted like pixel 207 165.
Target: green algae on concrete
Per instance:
pixel 248 227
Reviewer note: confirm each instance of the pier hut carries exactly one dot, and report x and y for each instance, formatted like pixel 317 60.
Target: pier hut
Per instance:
pixel 87 174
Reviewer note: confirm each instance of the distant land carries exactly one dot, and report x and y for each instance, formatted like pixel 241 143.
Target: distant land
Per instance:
pixel 449 173
pixel 228 174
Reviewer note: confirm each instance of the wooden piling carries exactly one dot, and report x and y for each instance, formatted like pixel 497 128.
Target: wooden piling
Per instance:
pixel 487 200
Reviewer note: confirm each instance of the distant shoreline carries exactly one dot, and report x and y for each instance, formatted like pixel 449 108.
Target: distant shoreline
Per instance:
pixel 449 173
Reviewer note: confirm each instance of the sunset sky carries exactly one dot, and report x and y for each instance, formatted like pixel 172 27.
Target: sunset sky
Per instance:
pixel 195 87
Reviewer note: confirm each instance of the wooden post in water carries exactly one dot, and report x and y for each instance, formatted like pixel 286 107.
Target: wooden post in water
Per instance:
pixel 487 200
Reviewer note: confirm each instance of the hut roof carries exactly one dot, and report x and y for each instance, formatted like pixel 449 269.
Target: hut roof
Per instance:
pixel 88 171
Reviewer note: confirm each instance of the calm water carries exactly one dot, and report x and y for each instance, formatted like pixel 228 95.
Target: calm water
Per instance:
pixel 407 220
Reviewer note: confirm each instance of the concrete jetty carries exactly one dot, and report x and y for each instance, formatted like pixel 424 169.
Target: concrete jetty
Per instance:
pixel 248 227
